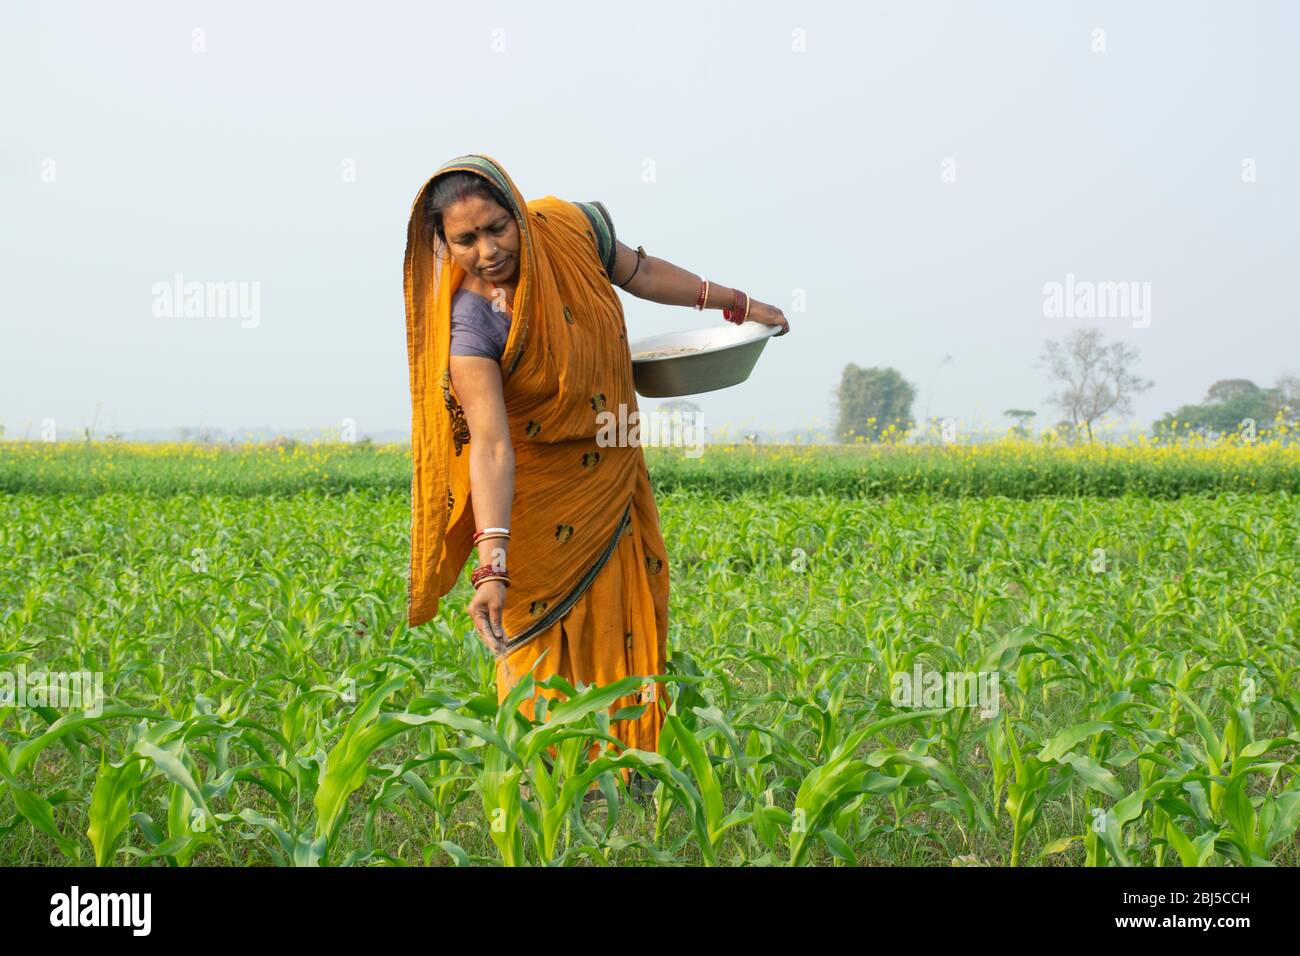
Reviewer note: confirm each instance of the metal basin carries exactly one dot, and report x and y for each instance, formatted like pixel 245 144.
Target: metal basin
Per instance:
pixel 719 356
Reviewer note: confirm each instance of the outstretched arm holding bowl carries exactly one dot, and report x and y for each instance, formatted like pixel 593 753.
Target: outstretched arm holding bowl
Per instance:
pixel 657 280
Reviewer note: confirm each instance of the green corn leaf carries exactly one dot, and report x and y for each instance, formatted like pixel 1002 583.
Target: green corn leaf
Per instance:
pixel 40 814
pixel 111 802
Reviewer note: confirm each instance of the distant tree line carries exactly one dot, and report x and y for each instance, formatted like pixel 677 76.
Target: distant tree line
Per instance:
pixel 1092 379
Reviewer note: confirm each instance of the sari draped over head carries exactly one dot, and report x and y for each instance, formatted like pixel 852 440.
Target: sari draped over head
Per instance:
pixel 587 561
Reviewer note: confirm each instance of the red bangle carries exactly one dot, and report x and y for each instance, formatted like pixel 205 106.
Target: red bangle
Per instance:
pixel 489 573
pixel 739 307
pixel 704 292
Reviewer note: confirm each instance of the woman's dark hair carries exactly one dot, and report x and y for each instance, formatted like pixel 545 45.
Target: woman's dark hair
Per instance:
pixel 447 190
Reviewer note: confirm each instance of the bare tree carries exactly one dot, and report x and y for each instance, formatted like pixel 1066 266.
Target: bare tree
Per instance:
pixel 1095 378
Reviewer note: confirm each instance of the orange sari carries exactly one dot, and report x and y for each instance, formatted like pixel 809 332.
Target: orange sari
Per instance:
pixel 588 594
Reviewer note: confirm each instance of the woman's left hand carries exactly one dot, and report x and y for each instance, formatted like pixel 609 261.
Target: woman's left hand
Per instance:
pixel 768 315
pixel 485 610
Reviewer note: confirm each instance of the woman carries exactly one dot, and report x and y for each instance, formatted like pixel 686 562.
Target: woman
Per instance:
pixel 516 340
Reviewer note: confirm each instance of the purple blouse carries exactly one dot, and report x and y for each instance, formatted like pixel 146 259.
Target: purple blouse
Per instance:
pixel 476 327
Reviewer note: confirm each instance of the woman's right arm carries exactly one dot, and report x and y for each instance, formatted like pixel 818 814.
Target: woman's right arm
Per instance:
pixel 477 382
pixel 658 280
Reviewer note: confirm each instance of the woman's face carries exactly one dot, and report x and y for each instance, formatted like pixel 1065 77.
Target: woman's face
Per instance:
pixel 481 234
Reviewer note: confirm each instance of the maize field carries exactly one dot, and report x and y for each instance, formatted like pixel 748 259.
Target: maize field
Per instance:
pixel 1008 656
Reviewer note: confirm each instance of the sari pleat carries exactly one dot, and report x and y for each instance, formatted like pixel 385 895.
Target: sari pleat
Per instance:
pixel 619 626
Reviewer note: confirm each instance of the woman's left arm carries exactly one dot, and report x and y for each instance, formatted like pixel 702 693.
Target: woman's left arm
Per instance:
pixel 657 280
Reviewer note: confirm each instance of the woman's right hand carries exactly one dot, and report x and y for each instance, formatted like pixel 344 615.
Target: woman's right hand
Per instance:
pixel 768 315
pixel 485 611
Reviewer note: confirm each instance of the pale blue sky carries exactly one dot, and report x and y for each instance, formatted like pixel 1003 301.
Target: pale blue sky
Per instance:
pixel 775 170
